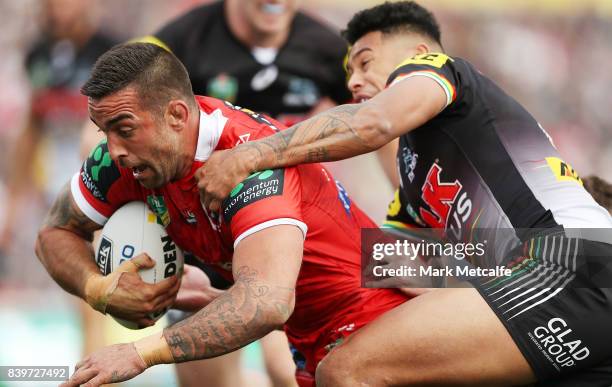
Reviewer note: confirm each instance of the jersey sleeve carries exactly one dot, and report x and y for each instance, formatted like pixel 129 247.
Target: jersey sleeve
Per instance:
pixel 436 66
pixel 101 187
pixel 264 199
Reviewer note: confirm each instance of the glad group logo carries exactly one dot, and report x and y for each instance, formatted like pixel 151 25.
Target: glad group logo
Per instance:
pixel 559 344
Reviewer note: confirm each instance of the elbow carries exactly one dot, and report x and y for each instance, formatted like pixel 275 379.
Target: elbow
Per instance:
pixel 41 240
pixel 278 312
pixel 373 126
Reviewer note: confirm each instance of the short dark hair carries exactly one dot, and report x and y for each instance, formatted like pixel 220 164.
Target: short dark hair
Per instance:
pixel 390 18
pixel 156 73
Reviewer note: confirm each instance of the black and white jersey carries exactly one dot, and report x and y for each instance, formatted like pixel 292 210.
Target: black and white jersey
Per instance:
pixel 483 162
pixel 284 83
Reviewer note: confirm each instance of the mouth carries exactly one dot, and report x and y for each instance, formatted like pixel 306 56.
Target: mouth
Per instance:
pixel 138 171
pixel 361 99
pixel 273 8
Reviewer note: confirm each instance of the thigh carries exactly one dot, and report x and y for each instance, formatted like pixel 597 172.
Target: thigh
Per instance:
pixel 445 337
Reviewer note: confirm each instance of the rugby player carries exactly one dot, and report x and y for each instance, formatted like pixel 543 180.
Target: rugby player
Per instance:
pixel 288 239
pixel 469 156
pixel 272 58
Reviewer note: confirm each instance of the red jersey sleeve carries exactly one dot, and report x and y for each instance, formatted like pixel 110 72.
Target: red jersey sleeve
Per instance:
pixel 101 187
pixel 264 199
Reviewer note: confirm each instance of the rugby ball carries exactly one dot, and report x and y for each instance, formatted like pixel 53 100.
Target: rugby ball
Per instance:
pixel 131 230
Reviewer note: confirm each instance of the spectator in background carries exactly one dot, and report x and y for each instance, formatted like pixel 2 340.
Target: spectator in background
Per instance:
pixel 47 147
pixel 262 55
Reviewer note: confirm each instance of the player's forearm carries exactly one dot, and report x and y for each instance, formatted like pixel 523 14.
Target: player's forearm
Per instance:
pixel 339 133
pixel 246 312
pixel 68 258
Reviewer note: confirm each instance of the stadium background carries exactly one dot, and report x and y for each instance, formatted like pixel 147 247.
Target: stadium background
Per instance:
pixel 553 56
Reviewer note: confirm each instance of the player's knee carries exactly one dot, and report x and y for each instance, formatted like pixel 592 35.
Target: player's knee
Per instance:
pixel 336 370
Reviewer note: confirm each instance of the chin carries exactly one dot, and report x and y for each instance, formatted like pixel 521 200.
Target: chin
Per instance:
pixel 151 183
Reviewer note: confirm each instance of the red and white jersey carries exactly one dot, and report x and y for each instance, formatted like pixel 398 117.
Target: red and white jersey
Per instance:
pixel 329 283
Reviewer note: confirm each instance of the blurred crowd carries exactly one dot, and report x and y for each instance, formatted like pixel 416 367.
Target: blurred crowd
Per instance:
pixel 554 62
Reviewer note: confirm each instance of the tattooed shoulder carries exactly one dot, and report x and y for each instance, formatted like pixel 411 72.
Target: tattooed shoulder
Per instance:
pixel 65 214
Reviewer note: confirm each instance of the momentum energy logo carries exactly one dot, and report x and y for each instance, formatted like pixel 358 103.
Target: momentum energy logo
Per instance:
pixel 259 185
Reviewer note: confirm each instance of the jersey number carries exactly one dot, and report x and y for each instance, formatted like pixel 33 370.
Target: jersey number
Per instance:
pixel 430 59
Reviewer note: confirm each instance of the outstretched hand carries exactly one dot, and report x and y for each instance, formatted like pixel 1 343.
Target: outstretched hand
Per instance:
pixel 113 364
pixel 196 291
pixel 220 174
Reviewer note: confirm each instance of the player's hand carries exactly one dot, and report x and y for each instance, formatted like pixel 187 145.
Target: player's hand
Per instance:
pixel 112 364
pixel 125 295
pixel 221 173
pixel 196 291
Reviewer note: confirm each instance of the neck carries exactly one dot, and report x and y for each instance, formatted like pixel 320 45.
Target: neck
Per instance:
pixel 244 31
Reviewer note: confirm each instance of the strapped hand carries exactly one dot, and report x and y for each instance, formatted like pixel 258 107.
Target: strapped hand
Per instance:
pixel 125 295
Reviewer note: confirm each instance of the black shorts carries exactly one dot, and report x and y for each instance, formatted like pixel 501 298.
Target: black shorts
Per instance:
pixel 557 306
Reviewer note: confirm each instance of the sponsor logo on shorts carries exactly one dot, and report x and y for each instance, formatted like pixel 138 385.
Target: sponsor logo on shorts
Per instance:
pixel 449 204
pixel 103 258
pixel 256 187
pixel 559 344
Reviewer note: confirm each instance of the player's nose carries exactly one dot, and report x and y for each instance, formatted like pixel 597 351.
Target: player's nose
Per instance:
pixel 117 150
pixel 355 83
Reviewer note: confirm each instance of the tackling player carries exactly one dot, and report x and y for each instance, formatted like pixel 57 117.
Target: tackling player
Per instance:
pixel 287 238
pixel 469 156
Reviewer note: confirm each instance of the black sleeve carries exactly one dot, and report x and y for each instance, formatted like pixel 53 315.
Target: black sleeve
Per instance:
pixel 436 66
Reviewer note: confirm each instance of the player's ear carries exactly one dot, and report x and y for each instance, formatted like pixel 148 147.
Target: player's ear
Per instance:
pixel 422 48
pixel 177 114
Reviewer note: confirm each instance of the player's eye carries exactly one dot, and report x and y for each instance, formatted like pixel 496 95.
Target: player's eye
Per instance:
pixel 125 131
pixel 364 64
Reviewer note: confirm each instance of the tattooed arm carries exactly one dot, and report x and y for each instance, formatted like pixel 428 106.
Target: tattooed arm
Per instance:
pixel 339 133
pixel 64 244
pixel 266 265
pixel 64 248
